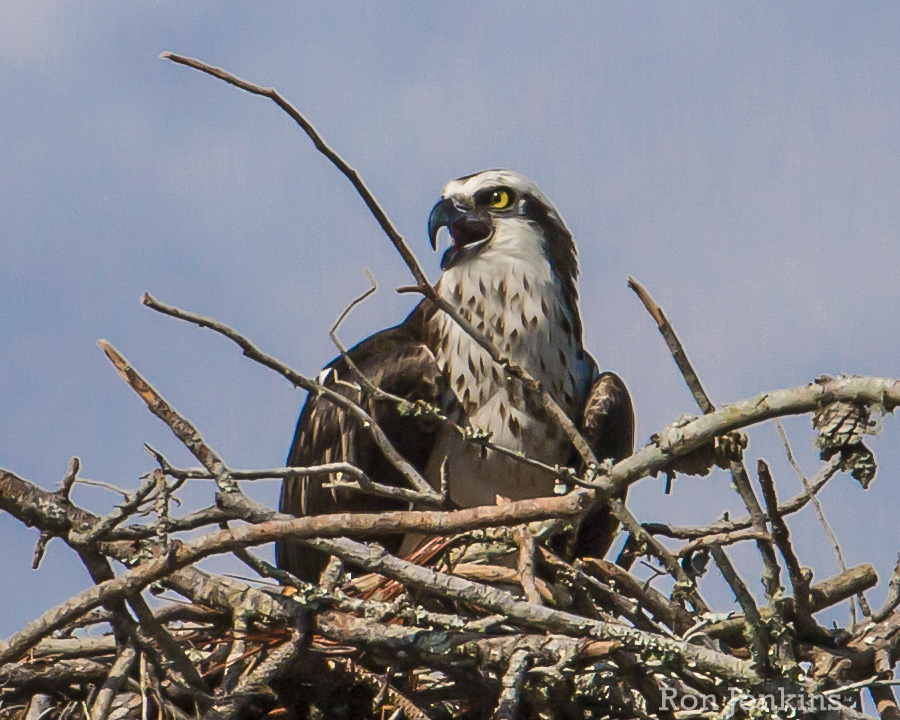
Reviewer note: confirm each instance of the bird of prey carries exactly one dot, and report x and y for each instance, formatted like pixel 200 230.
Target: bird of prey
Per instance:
pixel 511 270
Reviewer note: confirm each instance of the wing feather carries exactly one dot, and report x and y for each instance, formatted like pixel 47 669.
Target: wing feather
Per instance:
pixel 398 361
pixel 608 426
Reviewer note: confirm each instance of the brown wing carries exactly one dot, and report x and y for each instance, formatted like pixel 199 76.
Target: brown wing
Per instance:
pixel 397 361
pixel 608 425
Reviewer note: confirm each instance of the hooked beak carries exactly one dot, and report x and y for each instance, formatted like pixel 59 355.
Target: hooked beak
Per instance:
pixel 468 231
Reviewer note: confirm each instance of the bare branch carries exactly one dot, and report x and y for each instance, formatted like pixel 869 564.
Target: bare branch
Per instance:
pixel 119 513
pixel 800 579
pixel 723 539
pixel 893 598
pixel 526 564
pixel 656 548
pixel 510 684
pixel 760 635
pixel 675 347
pixel 521 612
pixel 729 526
pixel 423 285
pixel 820 514
pixel 117 674
pixel 251 351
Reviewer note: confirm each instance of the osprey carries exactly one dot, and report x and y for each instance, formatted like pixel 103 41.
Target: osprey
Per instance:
pixel 511 270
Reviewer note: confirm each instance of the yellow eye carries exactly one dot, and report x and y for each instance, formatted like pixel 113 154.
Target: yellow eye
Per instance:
pixel 500 199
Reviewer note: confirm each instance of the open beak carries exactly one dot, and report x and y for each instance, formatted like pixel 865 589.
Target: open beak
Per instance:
pixel 468 232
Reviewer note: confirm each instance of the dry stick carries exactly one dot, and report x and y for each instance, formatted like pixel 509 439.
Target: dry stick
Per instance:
pixel 658 550
pixel 760 639
pixel 723 539
pixel 191 521
pixel 117 675
pixel 148 632
pixel 50 677
pixel 800 579
pixel 406 708
pixel 65 488
pixel 518 611
pixel 885 702
pixel 823 521
pixel 893 598
pixel 257 682
pixel 822 595
pixel 426 493
pixel 105 485
pixel 644 462
pixel 526 564
pixel 423 285
pixel 742 484
pixel 625 584
pixel 607 597
pixel 511 683
pixel 719 527
pixel 119 514
pixel 183 429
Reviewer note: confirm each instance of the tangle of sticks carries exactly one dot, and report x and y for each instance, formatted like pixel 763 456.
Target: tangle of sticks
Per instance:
pixel 485 620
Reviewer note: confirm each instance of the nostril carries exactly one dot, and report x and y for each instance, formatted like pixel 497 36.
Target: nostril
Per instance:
pixel 469 229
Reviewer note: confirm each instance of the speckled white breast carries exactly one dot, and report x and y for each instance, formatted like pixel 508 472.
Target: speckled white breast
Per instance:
pixel 509 293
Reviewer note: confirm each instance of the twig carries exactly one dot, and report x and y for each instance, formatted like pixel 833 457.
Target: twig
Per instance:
pixel 738 471
pixel 663 609
pixel 511 684
pixel 422 284
pixel 822 595
pixel 723 539
pixel 117 674
pixel 101 484
pixel 893 597
pixel 191 521
pixel 162 510
pixel 254 353
pixel 332 574
pixel 771 571
pixel 658 550
pixel 180 426
pixel 728 526
pixel 119 514
pixel 65 488
pixel 406 709
pixel 675 347
pixel 781 535
pixel 759 633
pixel 153 639
pixel 526 564
pixel 256 683
pixel 820 514
pixel 145 706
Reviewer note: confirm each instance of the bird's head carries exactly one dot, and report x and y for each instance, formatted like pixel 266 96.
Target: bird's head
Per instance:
pixel 502 212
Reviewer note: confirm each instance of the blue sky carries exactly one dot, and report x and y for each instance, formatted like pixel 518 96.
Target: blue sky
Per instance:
pixel 739 159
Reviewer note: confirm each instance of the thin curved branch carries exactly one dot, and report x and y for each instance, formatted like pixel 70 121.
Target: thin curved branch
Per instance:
pixel 254 353
pixel 423 285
